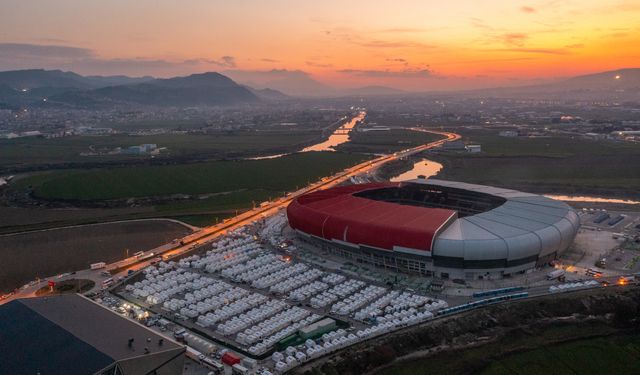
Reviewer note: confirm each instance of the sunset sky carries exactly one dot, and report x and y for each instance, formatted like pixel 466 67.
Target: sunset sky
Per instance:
pixel 401 43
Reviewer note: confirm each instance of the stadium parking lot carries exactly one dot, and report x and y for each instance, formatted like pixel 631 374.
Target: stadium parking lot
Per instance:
pixel 247 294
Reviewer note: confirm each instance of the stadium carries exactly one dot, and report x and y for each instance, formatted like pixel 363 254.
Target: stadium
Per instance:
pixel 444 229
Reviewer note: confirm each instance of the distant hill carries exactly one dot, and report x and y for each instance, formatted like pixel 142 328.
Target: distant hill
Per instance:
pixel 615 85
pixel 38 87
pixel 103 81
pixel 289 82
pixel 622 79
pixel 32 87
pixel 196 89
pixel 40 78
pixel 268 94
pixel 37 78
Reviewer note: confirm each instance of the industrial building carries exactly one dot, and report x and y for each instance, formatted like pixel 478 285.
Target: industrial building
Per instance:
pixel 71 335
pixel 445 229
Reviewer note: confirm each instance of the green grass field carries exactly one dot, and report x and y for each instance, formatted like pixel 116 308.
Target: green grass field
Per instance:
pixel 386 141
pixel 548 165
pixel 273 176
pixel 555 350
pixel 613 355
pixel 556 146
pixel 33 151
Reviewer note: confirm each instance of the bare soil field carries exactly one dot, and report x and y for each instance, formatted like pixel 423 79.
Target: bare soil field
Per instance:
pixel 18 219
pixel 23 257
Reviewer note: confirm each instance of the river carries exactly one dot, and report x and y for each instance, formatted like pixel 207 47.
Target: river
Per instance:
pixel 338 137
pixel 424 167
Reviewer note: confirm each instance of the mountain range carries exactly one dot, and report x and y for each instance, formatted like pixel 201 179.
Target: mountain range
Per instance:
pixel 301 84
pixel 39 87
pixel 54 87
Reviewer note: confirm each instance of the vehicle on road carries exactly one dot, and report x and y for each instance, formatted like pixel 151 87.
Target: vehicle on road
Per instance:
pixel 97 266
pixel 555 274
pixel 593 273
pixel 107 283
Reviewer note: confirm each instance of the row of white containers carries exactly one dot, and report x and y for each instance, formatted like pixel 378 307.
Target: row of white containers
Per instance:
pixel 357 300
pixel 251 317
pixel 272 325
pixel 570 286
pixel 267 281
pixel 395 301
pixel 339 339
pixel 272 230
pixel 339 291
pixel 262 346
pixel 268 320
pixel 239 308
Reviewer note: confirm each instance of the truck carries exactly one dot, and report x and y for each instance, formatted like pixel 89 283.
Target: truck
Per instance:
pixel 179 333
pixel 97 266
pixel 555 274
pixel 107 283
pixel 593 273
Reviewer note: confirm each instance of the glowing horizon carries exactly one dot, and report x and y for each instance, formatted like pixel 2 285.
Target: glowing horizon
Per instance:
pixel 407 44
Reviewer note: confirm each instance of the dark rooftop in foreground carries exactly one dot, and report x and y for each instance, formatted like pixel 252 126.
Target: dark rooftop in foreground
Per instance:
pixel 71 334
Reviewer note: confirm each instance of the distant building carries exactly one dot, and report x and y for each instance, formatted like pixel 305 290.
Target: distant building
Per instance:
pixel 148 147
pixel 454 145
pixel 9 135
pixel 508 133
pixel 73 335
pixel 88 130
pixel 596 136
pixel 473 148
pixel 140 149
pixel 33 133
pixel 133 150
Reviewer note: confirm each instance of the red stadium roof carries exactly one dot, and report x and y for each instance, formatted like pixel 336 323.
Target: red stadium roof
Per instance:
pixel 336 214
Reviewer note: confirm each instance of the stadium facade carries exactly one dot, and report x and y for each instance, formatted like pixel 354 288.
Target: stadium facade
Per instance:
pixel 446 229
